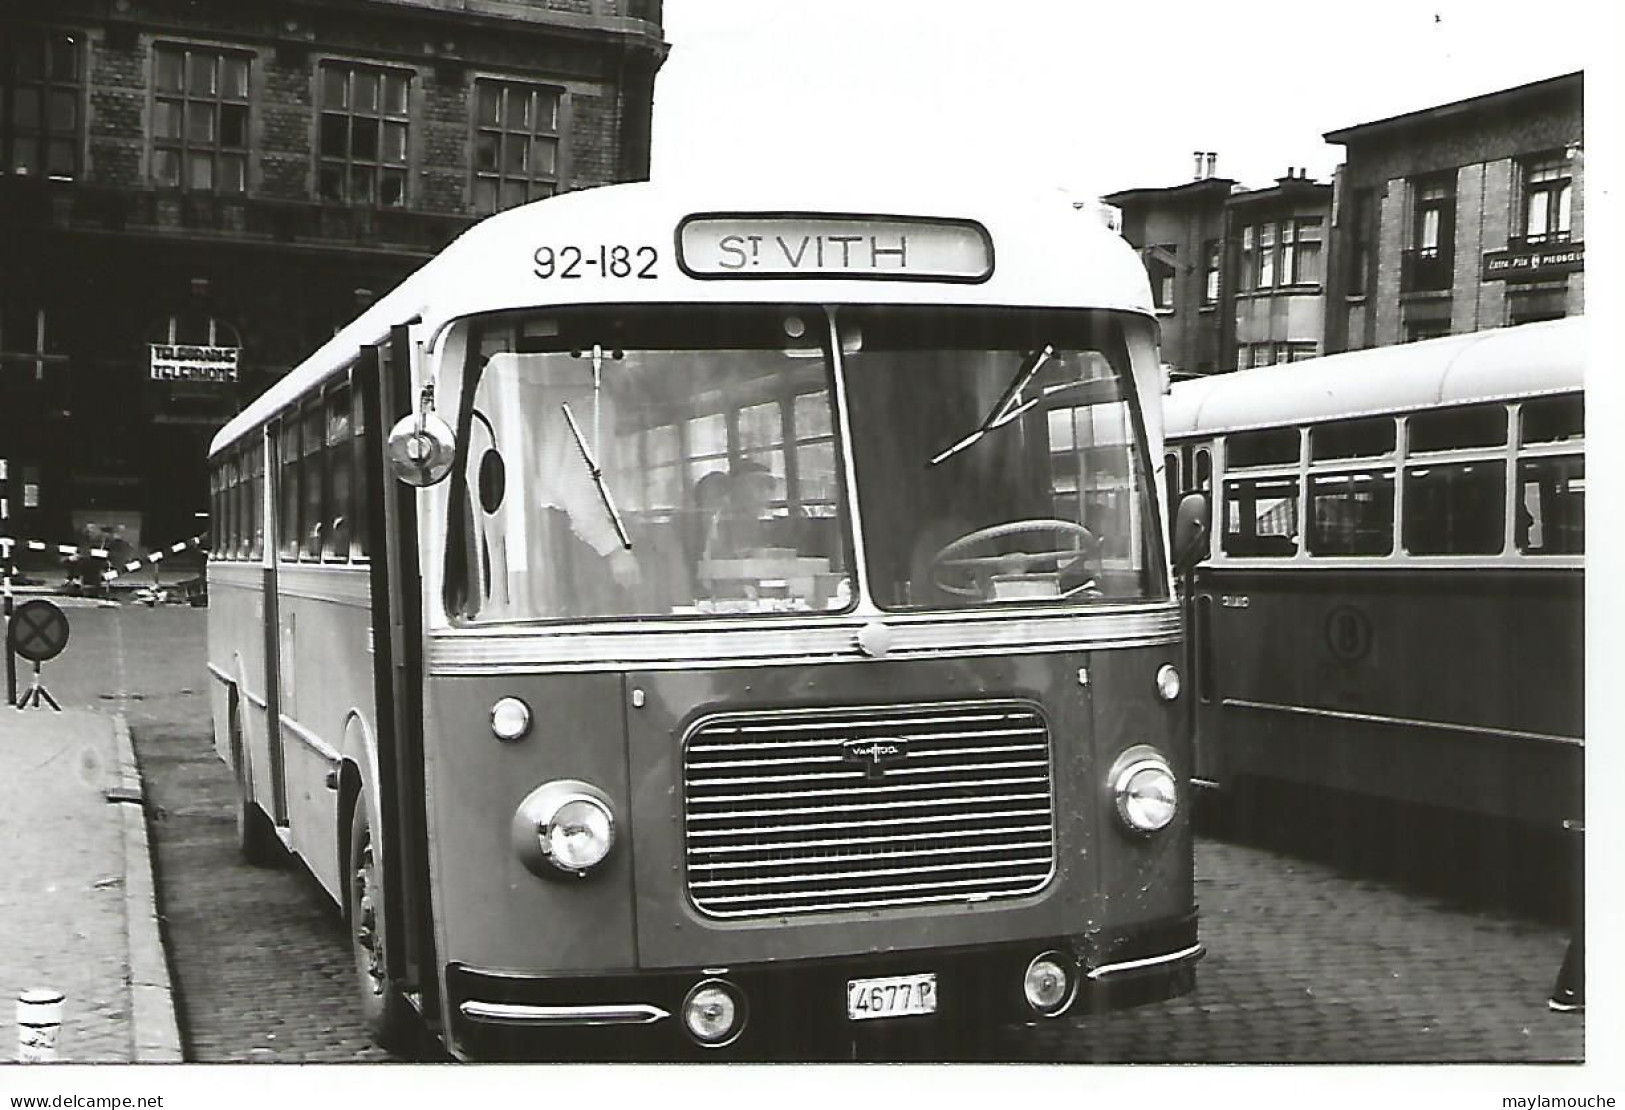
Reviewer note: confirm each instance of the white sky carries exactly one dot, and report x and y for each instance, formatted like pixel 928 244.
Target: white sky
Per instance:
pixel 1074 93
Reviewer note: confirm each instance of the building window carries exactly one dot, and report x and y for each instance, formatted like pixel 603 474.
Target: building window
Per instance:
pixel 200 120
pixel 41 84
pixel 1300 251
pixel 1266 256
pixel 1360 243
pixel 1426 329
pixel 1211 256
pixel 1426 266
pixel 1248 277
pixel 362 128
pixel 1547 186
pixel 516 144
pixel 28 348
pixel 1298 352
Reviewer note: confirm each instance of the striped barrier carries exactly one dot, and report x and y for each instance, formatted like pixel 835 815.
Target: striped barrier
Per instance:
pixel 151 559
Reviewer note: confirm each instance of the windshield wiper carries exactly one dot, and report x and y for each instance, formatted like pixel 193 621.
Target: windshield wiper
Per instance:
pixel 597 477
pixel 1006 409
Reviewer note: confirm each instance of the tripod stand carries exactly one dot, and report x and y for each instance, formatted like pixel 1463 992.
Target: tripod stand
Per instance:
pixel 36 693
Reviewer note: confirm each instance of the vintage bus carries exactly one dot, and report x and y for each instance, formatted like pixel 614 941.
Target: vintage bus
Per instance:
pixel 713 615
pixel 1393 603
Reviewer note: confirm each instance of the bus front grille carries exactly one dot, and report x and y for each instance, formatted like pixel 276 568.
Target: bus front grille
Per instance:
pixel 824 810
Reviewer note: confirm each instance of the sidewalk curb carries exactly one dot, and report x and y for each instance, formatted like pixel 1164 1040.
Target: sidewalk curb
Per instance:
pixel 154 1034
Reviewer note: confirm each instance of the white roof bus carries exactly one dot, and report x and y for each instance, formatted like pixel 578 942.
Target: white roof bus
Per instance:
pixel 681 613
pixel 1393 602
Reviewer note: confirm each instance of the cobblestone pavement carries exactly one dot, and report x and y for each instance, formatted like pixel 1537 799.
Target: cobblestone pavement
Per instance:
pixel 1307 962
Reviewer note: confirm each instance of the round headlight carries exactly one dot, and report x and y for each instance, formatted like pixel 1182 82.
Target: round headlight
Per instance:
pixel 714 1013
pixel 510 719
pixel 1145 790
pixel 564 828
pixel 579 834
pixel 1168 683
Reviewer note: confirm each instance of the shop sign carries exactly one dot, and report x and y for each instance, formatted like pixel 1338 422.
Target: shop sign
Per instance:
pixel 185 362
pixel 1533 263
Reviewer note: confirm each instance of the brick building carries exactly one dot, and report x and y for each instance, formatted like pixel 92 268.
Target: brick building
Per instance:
pixel 1236 274
pixel 194 195
pixel 1275 250
pixel 1179 232
pixel 1465 216
pixel 1451 219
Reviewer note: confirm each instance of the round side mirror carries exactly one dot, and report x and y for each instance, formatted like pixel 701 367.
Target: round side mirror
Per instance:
pixel 1190 532
pixel 421 449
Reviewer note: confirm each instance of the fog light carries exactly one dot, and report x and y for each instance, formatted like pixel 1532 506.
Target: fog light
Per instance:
pixel 1047 985
pixel 1144 788
pixel 714 1013
pixel 510 719
pixel 1168 682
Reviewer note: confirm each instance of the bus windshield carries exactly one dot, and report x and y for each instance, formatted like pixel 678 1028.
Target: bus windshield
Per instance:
pixel 663 461
pixel 998 457
pixel 649 462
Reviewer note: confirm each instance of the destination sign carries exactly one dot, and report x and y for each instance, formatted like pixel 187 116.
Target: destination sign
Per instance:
pixel 820 246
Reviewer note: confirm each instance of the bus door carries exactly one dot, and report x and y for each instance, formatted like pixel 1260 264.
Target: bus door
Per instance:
pixel 266 768
pixel 383 375
pixel 1196 462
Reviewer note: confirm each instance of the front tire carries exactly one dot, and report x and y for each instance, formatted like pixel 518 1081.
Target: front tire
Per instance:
pixel 383 1008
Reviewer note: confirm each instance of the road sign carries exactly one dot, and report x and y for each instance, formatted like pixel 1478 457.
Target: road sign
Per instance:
pixel 38 631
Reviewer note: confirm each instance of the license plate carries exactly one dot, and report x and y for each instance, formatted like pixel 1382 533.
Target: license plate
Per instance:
pixel 897 996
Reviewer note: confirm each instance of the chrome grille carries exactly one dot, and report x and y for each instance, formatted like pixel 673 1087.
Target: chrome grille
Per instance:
pixel 783 817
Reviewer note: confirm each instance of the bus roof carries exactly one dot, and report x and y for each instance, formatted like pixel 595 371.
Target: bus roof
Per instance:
pixel 1046 250
pixel 1499 364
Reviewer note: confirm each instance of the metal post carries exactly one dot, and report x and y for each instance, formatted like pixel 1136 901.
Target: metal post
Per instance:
pixel 39 1020
pixel 5 585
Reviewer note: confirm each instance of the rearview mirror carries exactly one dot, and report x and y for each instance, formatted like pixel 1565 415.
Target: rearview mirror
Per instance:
pixel 421 449
pixel 1190 531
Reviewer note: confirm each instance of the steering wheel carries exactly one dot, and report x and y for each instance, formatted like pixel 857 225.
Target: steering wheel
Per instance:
pixel 954 555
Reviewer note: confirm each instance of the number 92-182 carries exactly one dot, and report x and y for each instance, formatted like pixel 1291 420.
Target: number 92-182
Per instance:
pixel 603 261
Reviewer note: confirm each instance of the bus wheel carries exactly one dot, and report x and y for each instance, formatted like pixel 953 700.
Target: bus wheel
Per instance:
pixel 257 841
pixel 383 1009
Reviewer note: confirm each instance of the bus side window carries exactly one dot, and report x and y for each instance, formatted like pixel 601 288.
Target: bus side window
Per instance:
pixel 312 523
pixel 340 473
pixel 360 500
pixel 1551 488
pixel 288 479
pixel 245 507
pixel 1352 514
pixel 1455 508
pixel 1261 516
pixel 254 518
pixel 1551 505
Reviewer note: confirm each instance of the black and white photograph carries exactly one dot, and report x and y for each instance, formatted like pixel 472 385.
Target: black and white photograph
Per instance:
pixel 861 549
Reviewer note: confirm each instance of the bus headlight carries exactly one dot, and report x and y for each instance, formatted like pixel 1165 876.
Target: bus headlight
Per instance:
pixel 1144 788
pixel 563 828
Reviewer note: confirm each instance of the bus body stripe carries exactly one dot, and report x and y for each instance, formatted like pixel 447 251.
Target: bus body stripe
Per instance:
pixel 578 649
pixel 1401 722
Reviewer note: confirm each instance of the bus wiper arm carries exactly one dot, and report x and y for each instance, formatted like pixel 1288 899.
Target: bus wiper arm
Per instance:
pixel 1006 408
pixel 597 477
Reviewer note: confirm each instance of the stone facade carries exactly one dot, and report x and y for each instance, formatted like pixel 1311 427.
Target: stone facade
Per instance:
pixel 105 257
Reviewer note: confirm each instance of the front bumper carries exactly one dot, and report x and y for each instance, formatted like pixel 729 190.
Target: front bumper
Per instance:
pixel 799 1010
